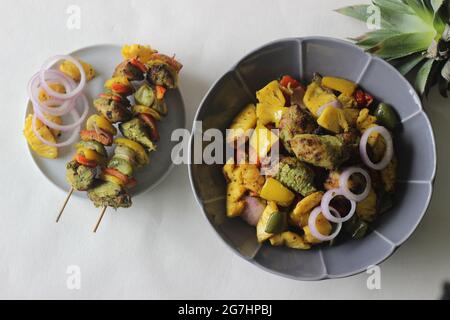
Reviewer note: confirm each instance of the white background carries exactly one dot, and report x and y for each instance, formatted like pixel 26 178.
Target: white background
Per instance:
pixel 163 246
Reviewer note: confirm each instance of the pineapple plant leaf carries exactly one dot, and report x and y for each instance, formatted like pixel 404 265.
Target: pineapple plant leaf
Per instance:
pixel 413 35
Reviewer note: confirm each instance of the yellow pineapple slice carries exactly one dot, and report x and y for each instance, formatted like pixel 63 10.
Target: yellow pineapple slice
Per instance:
pixel 35 144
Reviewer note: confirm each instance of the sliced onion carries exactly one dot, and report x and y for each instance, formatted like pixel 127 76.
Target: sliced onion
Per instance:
pixel 64 103
pixel 343 183
pixel 64 106
pixel 38 112
pixel 312 225
pixel 253 210
pixel 334 104
pixel 389 148
pixel 325 206
pixel 69 141
pixel 68 95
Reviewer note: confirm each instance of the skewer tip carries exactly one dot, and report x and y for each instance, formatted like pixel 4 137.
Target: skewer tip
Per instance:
pixel 99 219
pixel 64 205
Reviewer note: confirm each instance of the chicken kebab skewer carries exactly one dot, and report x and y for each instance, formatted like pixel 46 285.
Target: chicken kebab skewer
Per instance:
pixel 138 127
pixel 113 107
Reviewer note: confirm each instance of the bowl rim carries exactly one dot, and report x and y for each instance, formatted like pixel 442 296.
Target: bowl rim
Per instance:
pixel 325 276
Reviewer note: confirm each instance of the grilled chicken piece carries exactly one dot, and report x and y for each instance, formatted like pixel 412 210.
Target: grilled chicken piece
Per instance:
pixel 356 183
pixel 127 69
pixel 80 177
pixel 351 140
pixel 321 151
pixel 161 75
pixel 295 121
pixel 136 130
pixel 109 194
pixel 113 108
pixel 163 70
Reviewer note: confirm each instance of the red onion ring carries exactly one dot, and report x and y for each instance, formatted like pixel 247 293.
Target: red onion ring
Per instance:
pixel 53 93
pixel 65 106
pixel 334 104
pixel 312 225
pixel 343 183
pixel 38 112
pixel 325 206
pixel 69 141
pixel 389 148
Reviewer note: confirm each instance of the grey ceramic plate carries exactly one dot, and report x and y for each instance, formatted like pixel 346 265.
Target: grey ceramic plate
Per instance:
pixel 415 148
pixel 104 58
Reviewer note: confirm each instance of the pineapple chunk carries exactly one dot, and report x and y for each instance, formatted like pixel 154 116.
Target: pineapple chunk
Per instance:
pixel 262 140
pixel 289 239
pixel 266 113
pixel 68 68
pixel 235 189
pixel 322 225
pixel 235 192
pixel 367 208
pixel 351 115
pixel 252 178
pixel 388 175
pixel 43 95
pixel 347 101
pixel 228 169
pixel 342 85
pixel 271 107
pixel 35 144
pixel 376 140
pixel 333 119
pixel 365 120
pixel 243 122
pixel 301 212
pixel 140 52
pixel 271 95
pixel 316 96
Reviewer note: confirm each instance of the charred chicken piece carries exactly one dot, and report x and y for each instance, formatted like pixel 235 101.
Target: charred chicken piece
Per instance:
pixel 295 121
pixel 80 177
pixel 113 107
pixel 132 69
pixel 136 130
pixel 109 194
pixel 163 70
pixel 321 151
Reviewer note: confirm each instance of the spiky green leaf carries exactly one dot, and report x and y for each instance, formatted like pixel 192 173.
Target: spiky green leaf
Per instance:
pixel 440 17
pixel 436 4
pixel 359 12
pixel 394 5
pixel 405 65
pixel 403 45
pixel 422 76
pixel 373 38
pixel 420 9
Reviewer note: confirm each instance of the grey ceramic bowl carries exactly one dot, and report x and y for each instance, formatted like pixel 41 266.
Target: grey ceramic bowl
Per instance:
pixel 415 149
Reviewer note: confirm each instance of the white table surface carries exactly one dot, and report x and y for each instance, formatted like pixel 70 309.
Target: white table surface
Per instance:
pixel 163 247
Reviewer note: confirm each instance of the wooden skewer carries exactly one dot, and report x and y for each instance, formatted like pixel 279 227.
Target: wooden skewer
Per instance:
pixel 64 205
pixel 99 219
